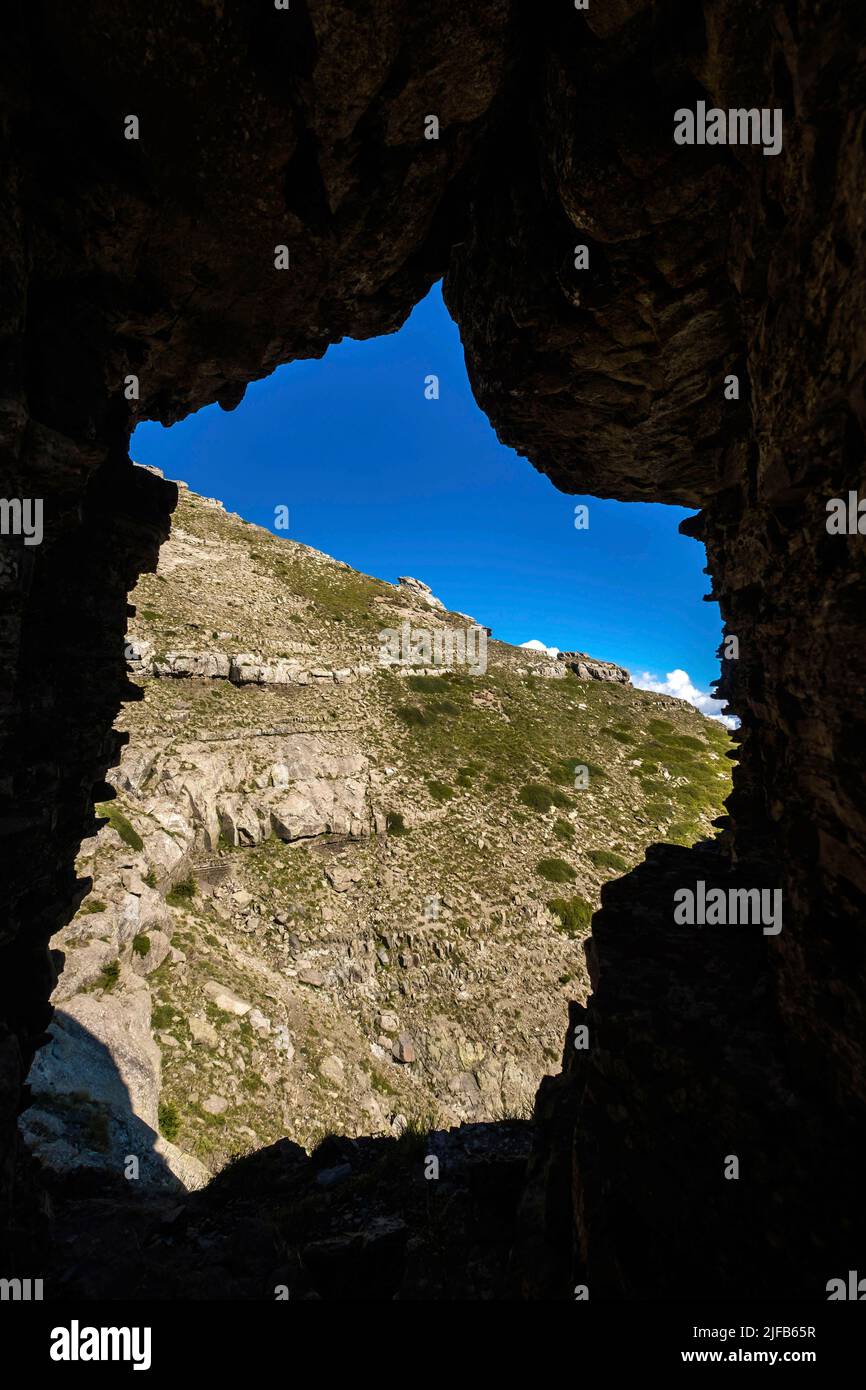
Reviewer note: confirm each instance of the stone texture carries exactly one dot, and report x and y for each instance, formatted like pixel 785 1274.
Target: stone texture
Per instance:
pixel 226 999
pixel 157 258
pixel 588 668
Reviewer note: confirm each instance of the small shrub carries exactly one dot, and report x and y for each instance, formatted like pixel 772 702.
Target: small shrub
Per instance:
pixel 413 1141
pixel 381 1084
pixel 150 878
pixel 575 914
pixel 161 1017
pixel 686 741
pixel 141 944
pixel 440 791
pixel 540 797
pixel 690 796
pixel 659 727
pixel 182 893
pixel 395 823
pixel 682 833
pixel 92 905
pixel 563 830
pixel 447 707
pixel 646 769
pixel 555 870
pixel 169 1120
pixel 428 685
pixel 606 859
pixel 109 975
pixel 119 823
pixel 652 785
pixel 562 772
pixel 413 715
pixel 621 735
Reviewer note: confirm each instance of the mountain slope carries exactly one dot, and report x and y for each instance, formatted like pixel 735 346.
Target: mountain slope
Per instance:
pixel 337 895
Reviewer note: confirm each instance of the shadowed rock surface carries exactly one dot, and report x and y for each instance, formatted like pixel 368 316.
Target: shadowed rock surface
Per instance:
pixel 305 128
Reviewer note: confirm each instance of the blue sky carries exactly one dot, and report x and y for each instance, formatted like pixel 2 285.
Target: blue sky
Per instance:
pixel 377 475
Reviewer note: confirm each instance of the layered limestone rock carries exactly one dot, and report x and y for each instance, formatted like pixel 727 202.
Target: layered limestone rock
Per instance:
pixel 418 589
pixel 587 668
pixel 295 786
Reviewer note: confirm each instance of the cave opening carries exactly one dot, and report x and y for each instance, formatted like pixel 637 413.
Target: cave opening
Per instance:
pixel 609 284
pixel 343 875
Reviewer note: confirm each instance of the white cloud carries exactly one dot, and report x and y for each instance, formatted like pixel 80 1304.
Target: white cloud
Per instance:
pixel 535 646
pixel 679 684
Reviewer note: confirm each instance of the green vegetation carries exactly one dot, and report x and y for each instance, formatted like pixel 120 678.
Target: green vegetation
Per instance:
pixel 447 707
pixel 562 772
pixel 652 785
pixel 118 822
pixel 540 797
pixel 428 685
pixel 141 944
pixel 575 914
pixel 606 859
pixel 660 726
pixel 687 742
pixel 466 773
pixel 413 1142
pixel 168 1120
pixel 683 833
pixel 492 759
pixel 109 976
pixel 381 1083
pixel 183 892
pixel 440 791
pixel 696 784
pixel 413 715
pixel 92 905
pixel 555 870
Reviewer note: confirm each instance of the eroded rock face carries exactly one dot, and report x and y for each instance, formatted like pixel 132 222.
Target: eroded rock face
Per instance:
pixel 306 129
pixel 588 668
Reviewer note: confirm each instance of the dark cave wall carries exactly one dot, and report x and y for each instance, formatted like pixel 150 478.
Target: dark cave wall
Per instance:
pixel 156 258
pixel 705 262
pixel 306 128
